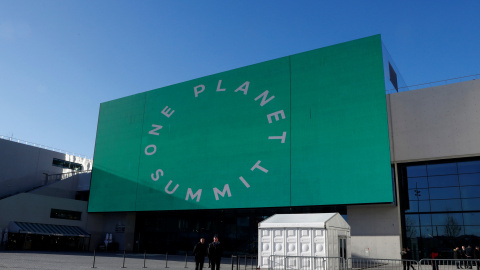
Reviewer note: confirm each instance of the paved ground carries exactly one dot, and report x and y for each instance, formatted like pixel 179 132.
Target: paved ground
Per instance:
pixel 85 260
pixel 74 261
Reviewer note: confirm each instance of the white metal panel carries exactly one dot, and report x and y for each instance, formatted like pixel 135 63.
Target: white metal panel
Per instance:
pixel 264 247
pixel 305 242
pixel 279 242
pixel 319 243
pixel 290 243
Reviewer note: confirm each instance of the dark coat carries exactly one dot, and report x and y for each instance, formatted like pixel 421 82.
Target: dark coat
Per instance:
pixel 476 254
pixel 200 251
pixel 215 251
pixel 469 252
pixel 408 256
pixel 457 254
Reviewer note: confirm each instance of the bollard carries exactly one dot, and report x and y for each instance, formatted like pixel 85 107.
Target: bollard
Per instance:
pixel 123 259
pixel 144 258
pixel 185 260
pixel 245 262
pixel 166 260
pixel 93 259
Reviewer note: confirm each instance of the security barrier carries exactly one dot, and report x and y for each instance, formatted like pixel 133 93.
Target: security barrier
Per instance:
pixel 277 262
pixel 390 264
pixel 448 264
pixel 238 259
pixel 123 260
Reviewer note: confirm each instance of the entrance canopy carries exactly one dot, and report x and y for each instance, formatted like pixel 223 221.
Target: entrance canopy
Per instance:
pixel 46 229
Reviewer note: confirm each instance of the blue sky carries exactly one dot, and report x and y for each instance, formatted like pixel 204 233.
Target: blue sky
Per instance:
pixel 60 59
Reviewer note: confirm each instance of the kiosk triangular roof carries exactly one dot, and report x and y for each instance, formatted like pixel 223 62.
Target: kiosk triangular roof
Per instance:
pixel 317 220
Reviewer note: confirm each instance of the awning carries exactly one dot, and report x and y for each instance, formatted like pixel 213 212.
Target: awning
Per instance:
pixel 46 229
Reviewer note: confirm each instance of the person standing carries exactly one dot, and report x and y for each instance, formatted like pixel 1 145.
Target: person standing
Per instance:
pixel 434 256
pixel 476 256
pixel 215 251
pixel 469 256
pixel 457 255
pixel 403 253
pixel 409 258
pixel 199 251
pixel 463 251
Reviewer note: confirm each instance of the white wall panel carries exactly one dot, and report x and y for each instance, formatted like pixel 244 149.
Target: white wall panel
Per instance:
pixel 436 122
pixel 292 242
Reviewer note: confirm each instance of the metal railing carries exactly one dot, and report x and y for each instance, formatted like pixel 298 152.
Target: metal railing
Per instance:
pixel 237 261
pixel 12 139
pixel 391 264
pixel 423 264
pixel 448 264
pixel 278 262
pixel 51 178
pixel 122 259
pixel 436 83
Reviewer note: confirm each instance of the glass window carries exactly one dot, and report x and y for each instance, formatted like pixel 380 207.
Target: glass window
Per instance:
pixel 411 220
pixel 424 206
pixel 426 219
pixel 448 199
pixel 419 206
pixel 426 231
pixel 447 219
pixel 437 230
pixel 418 194
pixel 417 182
pixel 469 166
pixel 416 171
pixel 443 181
pixel 442 169
pixel 65 214
pixel 446 205
pixel 393 76
pixel 444 193
pixel 412 231
pixel 423 219
pixel 471 204
pixel 67 164
pixel 472 230
pixel 471 218
pixel 469 179
pixel 450 230
pixel 470 191
pixel 413 207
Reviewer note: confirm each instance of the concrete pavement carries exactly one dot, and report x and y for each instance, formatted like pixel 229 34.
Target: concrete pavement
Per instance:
pixel 85 260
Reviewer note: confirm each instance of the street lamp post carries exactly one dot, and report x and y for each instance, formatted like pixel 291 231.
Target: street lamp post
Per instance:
pixel 418 194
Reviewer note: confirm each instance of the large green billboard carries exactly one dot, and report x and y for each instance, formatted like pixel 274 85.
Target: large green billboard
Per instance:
pixel 307 129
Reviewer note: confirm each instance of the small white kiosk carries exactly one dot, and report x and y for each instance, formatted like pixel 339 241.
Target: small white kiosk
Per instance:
pixel 303 241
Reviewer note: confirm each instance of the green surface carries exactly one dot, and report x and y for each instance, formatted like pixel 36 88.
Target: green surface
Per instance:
pixel 335 149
